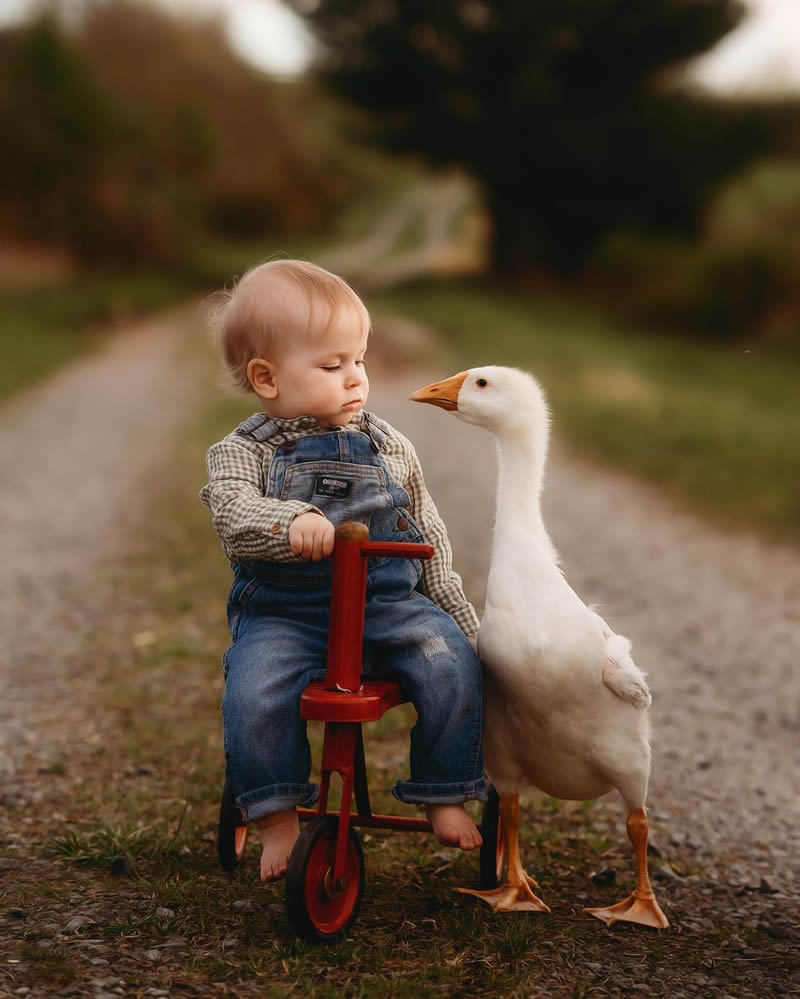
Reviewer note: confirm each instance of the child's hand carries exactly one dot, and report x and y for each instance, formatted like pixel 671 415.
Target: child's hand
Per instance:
pixel 311 536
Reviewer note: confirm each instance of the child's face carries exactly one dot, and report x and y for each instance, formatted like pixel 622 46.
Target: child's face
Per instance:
pixel 323 376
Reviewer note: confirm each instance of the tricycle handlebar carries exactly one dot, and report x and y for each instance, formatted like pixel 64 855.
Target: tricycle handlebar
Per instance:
pixel 351 530
pixel 396 549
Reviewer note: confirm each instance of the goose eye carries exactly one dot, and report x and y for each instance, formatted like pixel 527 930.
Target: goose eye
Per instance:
pixel 481 383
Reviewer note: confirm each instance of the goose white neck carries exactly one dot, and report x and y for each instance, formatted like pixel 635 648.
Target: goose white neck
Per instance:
pixel 521 457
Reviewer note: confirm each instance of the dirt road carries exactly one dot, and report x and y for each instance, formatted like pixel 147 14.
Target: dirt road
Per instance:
pixel 75 453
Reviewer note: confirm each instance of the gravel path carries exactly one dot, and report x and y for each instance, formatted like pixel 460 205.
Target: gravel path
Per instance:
pixel 74 453
pixel 715 621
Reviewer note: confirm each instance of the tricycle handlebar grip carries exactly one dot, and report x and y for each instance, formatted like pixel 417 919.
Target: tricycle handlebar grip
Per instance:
pixel 352 530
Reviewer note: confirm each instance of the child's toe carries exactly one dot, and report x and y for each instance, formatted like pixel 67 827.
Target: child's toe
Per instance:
pixel 449 836
pixel 473 839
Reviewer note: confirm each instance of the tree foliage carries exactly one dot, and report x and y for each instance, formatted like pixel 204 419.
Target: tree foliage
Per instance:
pixel 563 109
pixel 136 133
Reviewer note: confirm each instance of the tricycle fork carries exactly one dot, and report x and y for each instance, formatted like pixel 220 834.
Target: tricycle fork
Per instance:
pixel 343 753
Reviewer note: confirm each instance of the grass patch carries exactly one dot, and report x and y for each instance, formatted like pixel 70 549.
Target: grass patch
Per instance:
pixel 103 845
pixel 49 968
pixel 42 329
pixel 714 425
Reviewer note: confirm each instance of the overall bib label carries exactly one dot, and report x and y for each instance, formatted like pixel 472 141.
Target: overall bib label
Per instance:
pixel 328 485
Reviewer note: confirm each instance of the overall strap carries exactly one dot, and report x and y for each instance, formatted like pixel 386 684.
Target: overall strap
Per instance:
pixel 377 436
pixel 260 427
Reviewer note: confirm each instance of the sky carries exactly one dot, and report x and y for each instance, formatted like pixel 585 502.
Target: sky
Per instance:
pixel 762 54
pixel 265 32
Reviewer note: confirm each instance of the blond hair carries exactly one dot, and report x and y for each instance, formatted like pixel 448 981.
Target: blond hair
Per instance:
pixel 262 313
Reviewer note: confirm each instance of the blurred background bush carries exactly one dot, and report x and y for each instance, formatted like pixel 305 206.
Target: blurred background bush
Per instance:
pixel 135 133
pixel 135 136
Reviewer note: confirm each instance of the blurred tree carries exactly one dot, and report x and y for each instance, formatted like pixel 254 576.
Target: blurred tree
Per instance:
pixel 563 109
pixel 55 130
pixel 135 133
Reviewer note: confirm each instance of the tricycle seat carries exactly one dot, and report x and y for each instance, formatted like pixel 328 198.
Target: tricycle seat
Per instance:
pixel 320 703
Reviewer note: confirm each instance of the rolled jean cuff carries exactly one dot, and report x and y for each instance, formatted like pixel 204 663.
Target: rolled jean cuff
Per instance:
pixel 440 794
pixel 275 798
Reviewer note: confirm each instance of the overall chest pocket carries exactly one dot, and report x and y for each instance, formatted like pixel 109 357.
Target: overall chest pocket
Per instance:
pixel 342 491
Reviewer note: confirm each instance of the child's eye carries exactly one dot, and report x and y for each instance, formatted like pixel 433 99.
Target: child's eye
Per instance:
pixel 362 362
pixel 331 367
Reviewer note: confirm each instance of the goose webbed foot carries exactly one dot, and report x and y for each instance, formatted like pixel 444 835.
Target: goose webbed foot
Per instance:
pixel 511 897
pixel 636 908
pixel 640 906
pixel 515 895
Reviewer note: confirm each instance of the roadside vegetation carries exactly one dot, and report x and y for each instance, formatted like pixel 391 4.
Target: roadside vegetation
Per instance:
pixel 714 425
pixel 42 328
pixel 737 279
pixel 45 324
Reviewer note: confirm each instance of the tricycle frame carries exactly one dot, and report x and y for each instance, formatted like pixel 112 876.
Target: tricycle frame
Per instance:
pixel 343 702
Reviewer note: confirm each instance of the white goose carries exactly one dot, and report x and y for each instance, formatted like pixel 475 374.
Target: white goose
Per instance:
pixel 566 706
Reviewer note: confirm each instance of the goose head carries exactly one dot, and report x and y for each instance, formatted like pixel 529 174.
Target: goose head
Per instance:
pixel 504 401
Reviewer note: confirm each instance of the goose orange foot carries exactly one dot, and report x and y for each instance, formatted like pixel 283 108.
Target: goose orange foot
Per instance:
pixel 634 909
pixel 511 897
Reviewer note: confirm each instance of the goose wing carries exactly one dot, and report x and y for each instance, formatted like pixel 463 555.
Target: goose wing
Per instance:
pixel 620 673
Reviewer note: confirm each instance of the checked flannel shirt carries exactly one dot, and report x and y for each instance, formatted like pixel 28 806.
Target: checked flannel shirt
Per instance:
pixel 254 526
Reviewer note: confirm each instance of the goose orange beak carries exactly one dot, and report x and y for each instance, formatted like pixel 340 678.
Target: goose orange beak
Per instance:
pixel 443 394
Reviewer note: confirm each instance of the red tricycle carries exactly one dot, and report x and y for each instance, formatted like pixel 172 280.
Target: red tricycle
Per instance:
pixel 325 879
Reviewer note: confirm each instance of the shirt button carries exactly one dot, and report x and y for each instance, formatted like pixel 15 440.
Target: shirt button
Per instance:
pixel 290 446
pixel 402 524
pixel 276 528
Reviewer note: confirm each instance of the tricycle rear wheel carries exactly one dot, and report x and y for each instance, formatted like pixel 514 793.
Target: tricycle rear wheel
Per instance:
pixel 232 833
pixel 493 847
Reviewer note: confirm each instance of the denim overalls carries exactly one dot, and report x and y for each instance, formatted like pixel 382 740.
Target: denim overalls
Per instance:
pixel 278 616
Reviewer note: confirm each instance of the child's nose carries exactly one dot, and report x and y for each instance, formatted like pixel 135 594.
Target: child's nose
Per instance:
pixel 355 375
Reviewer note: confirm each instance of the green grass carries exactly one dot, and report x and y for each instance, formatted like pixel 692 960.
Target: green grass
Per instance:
pixel 716 426
pixel 42 328
pixel 758 203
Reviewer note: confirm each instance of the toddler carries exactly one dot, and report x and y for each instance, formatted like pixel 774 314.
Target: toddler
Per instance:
pixel 295 336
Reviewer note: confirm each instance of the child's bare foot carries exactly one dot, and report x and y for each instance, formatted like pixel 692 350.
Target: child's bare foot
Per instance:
pixel 452 826
pixel 277 831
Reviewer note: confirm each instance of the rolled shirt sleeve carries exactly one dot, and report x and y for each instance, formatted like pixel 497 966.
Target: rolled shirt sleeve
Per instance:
pixel 249 524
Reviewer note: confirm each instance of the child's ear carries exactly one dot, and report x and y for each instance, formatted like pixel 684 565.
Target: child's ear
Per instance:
pixel 261 375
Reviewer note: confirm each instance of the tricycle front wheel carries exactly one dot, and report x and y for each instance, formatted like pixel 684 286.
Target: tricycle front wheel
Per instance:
pixel 320 910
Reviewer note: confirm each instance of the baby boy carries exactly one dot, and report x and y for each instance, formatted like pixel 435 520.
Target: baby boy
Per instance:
pixel 295 336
